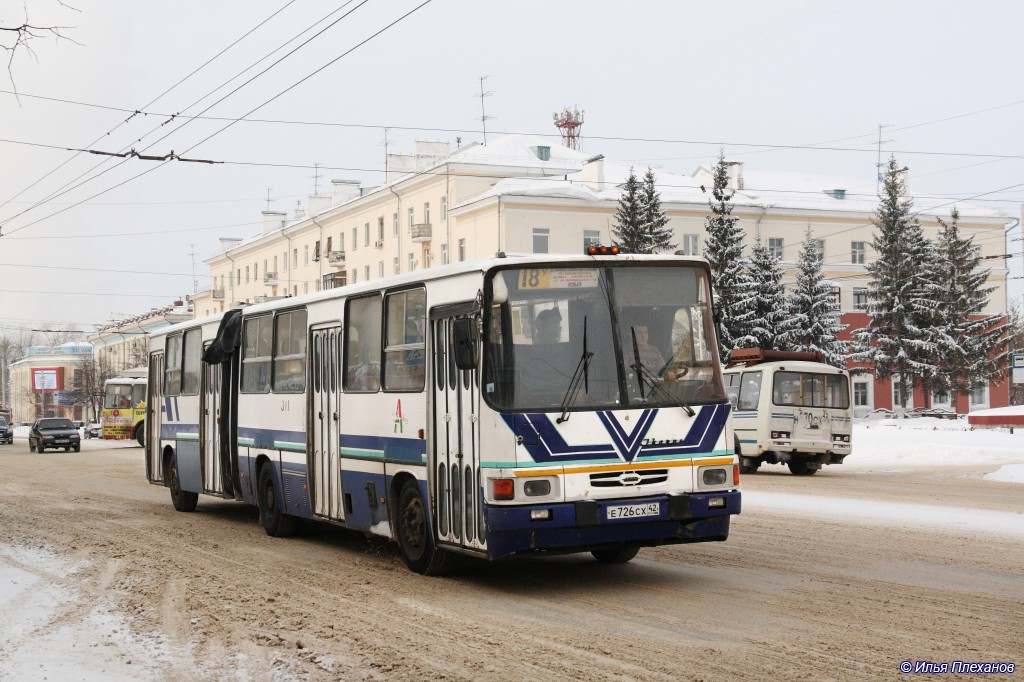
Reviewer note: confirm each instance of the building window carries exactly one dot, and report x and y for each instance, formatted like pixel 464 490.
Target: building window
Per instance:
pixel 818 248
pixel 426 212
pixel 355 238
pixel 275 263
pixel 412 216
pixel 412 263
pixel 305 254
pixel 860 299
pixel 380 269
pixel 366 272
pixel 940 396
pixel 330 241
pixel 591 238
pixel 775 245
pixel 860 394
pixel 444 254
pixel 380 228
pixel 857 253
pixel 897 392
pixel 397 268
pixel 834 294
pixel 691 245
pixel 979 396
pixel 246 274
pixel 286 261
pixel 366 234
pixel 341 242
pixel 540 239
pixel 295 258
pixel 444 209
pixel 394 218
pixel 355 275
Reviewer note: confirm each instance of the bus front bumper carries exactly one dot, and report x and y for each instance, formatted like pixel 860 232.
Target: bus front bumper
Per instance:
pixel 591 524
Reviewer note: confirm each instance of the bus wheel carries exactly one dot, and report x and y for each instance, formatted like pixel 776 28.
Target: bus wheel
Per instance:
pixel 183 501
pixel 140 434
pixel 619 555
pixel 274 520
pixel 414 537
pixel 31 448
pixel 801 468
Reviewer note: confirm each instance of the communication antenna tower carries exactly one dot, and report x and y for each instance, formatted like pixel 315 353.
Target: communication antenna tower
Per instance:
pixel 483 111
pixel 569 121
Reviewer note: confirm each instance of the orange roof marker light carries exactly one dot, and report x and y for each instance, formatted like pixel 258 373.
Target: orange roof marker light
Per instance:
pixel 598 250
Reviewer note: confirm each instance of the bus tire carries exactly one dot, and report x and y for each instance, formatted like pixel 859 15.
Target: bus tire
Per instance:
pixel 272 516
pixel 801 468
pixel 78 448
pixel 414 536
pixel 31 448
pixel 183 501
pixel 618 555
pixel 140 433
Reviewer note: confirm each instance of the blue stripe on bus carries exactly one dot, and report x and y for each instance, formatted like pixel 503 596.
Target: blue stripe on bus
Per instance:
pixel 409 450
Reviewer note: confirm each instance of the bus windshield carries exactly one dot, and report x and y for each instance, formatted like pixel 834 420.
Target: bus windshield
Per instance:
pixel 118 395
pixel 632 335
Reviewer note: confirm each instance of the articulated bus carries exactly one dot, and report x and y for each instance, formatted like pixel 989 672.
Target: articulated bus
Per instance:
pixel 124 409
pixel 489 408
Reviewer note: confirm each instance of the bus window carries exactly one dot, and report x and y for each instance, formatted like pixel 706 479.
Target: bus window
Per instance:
pixel 256 349
pixel 172 371
pixel 191 352
pixel 732 388
pixel 362 344
pixel 290 352
pixel 750 391
pixel 404 368
pixel 808 389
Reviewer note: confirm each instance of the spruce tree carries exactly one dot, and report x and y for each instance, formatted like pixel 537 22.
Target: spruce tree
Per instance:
pixel 729 282
pixel 894 341
pixel 970 347
pixel 655 222
pixel 628 229
pixel 814 315
pixel 769 320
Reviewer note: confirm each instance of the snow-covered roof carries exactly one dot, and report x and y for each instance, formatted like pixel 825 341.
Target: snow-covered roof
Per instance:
pixel 515 149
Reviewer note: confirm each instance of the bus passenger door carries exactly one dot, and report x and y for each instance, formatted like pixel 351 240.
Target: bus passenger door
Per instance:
pixel 455 440
pixel 324 465
pixel 209 430
pixel 155 418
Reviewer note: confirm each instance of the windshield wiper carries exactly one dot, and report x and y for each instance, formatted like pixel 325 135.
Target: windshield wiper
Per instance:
pixel 645 375
pixel 580 377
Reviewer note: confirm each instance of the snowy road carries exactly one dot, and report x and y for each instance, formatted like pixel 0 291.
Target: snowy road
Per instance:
pixel 906 553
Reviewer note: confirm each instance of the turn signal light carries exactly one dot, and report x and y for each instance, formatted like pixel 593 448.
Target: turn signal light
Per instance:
pixel 598 250
pixel 735 474
pixel 503 488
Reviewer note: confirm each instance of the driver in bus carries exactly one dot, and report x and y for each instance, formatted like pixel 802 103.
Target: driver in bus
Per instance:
pixel 547 327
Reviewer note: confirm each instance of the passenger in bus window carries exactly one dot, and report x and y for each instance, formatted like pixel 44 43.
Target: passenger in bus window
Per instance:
pixel 547 327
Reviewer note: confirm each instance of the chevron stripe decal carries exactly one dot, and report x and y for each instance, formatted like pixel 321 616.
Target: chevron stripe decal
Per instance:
pixel 546 445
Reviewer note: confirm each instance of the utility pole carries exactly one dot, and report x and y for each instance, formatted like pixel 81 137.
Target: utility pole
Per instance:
pixel 195 282
pixel 483 111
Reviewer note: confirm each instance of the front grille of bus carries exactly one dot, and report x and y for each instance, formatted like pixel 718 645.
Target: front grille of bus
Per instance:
pixel 627 479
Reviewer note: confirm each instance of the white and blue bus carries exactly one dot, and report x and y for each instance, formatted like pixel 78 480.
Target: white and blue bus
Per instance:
pixel 487 408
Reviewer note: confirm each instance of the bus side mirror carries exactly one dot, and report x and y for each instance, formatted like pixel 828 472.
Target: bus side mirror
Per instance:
pixel 467 343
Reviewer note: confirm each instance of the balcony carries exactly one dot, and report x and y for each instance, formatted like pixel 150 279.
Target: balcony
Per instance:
pixel 336 258
pixel 217 294
pixel 270 278
pixel 420 232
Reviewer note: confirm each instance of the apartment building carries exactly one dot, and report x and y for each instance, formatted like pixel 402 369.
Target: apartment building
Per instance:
pixel 524 194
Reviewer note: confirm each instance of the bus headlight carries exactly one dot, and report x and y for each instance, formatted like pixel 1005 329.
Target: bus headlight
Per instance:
pixel 537 488
pixel 713 476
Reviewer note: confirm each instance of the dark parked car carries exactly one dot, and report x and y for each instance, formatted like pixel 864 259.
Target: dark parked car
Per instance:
pixel 6 431
pixel 55 433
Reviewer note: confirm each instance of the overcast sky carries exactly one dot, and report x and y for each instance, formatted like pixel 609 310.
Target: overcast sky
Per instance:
pixel 665 84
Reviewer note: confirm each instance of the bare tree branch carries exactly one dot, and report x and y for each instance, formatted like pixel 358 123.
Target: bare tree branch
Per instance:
pixel 17 38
